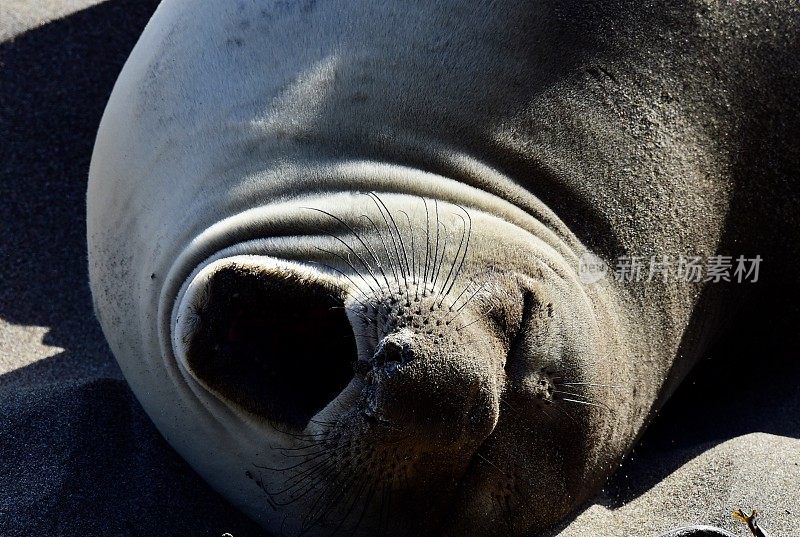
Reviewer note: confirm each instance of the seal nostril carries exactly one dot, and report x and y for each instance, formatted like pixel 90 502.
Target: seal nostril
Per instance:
pixel 398 353
pixel 392 351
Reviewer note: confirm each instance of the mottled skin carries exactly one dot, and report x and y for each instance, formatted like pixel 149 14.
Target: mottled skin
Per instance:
pixel 425 359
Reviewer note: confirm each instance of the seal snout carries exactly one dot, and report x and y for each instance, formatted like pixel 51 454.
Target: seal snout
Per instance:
pixel 428 391
pixel 383 394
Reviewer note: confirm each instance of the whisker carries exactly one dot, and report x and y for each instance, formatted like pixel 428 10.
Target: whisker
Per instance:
pixel 349 264
pixel 490 463
pixel 436 250
pixel 476 320
pixel 330 424
pixel 358 238
pixel 299 483
pixel 397 230
pixel 464 255
pixel 345 275
pixel 414 278
pixel 581 402
pixel 441 260
pixel 600 403
pixel 458 311
pixel 386 249
pixel 309 446
pixel 427 247
pixel 299 435
pixel 340 499
pixel 362 484
pixel 614 386
pixel 466 288
pixel 325 451
pixel 568 393
pixel 288 467
pixel 313 514
pixel 467 325
pixel 366 504
pixel 567 414
pixel 363 317
pixel 366 307
pixel 455 258
pixel 375 200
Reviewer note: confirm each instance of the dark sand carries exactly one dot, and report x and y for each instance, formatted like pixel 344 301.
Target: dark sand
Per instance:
pixel 79 457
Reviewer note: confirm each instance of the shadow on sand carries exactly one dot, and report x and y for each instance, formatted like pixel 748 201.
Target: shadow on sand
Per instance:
pixel 78 454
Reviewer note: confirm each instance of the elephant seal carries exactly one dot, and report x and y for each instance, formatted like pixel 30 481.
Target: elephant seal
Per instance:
pixel 335 246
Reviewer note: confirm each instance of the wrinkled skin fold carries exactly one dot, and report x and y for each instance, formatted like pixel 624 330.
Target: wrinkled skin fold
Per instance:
pixel 444 370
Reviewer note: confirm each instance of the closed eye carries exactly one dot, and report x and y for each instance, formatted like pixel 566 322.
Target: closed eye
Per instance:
pixel 519 348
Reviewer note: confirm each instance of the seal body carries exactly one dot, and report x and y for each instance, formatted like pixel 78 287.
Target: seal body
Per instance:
pixel 335 246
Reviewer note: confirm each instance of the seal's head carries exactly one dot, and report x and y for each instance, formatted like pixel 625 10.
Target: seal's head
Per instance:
pixel 408 382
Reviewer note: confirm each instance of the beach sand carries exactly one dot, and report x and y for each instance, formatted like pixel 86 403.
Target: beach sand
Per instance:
pixel 79 457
